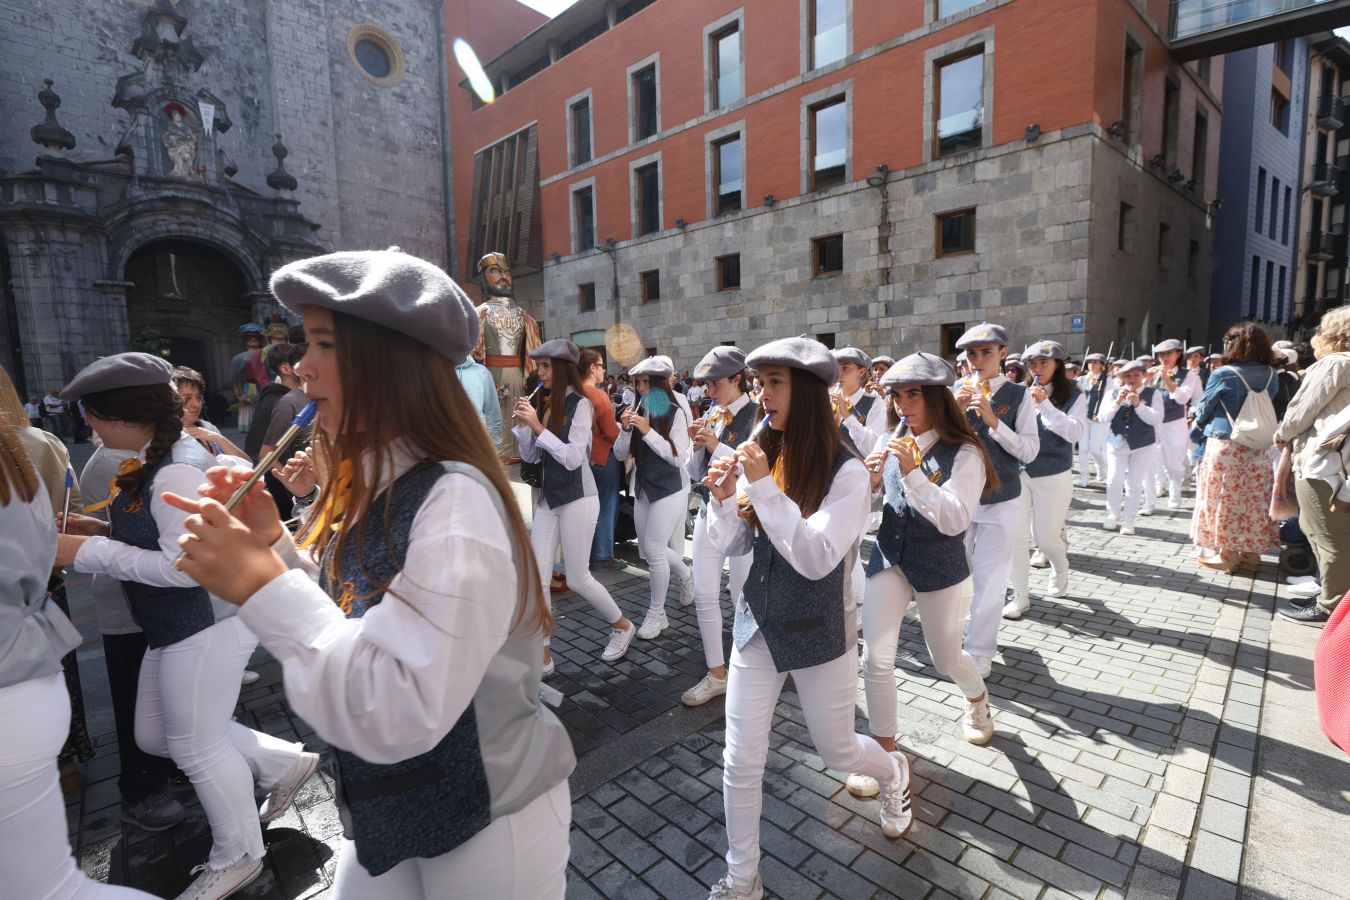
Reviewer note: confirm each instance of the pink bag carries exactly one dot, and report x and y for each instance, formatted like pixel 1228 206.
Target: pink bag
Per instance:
pixel 1331 676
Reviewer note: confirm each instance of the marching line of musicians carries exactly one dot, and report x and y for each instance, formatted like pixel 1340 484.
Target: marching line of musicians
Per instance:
pixel 410 610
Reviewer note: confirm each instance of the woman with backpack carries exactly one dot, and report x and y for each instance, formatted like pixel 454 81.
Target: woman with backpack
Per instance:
pixel 1234 483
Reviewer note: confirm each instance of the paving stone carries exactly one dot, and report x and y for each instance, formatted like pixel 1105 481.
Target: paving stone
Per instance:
pixel 1217 856
pixel 672 883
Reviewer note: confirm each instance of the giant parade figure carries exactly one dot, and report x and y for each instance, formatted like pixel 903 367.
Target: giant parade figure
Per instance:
pixel 506 337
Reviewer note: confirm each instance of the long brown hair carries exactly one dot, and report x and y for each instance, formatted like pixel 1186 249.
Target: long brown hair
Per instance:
pixel 951 426
pixel 1059 386
pixel 11 403
pixel 661 424
pixel 18 478
pixel 565 375
pixel 1247 342
pixel 156 405
pixel 807 445
pixel 436 421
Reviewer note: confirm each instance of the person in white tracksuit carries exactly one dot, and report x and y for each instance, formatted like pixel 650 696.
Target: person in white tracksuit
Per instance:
pixel 1095 384
pixel 1133 413
pixel 1179 386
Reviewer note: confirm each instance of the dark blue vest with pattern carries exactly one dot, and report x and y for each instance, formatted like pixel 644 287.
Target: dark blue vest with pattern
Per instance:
pixel 1056 454
pixel 431 803
pixel 561 484
pixel 802 620
pixel 929 559
pixel 1006 401
pixel 1136 432
pixel 167 615
pixel 733 434
pixel 1095 393
pixel 863 407
pixel 655 478
pixel 1172 410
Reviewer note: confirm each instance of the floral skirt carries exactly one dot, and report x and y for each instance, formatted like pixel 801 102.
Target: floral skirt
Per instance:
pixel 1232 501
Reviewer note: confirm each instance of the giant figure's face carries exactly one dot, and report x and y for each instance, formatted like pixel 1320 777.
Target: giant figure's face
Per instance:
pixel 497 282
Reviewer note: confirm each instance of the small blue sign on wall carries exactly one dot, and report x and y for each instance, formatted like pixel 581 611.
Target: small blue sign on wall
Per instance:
pixel 1076 323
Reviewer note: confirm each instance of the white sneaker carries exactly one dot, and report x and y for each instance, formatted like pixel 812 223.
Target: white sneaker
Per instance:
pixel 1016 607
pixel 687 590
pixel 652 625
pixel 711 686
pixel 1305 589
pixel 1300 579
pixel 726 889
pixel 250 677
pixel 896 815
pixel 860 785
pixel 212 884
pixel 1126 528
pixel 1110 524
pixel 1146 511
pixel 618 643
pixel 1059 585
pixel 282 795
pixel 1039 560
pixel 548 668
pixel 984 665
pixel 976 724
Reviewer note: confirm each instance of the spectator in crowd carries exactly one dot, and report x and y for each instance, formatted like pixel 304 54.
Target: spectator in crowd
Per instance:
pixel 482 391
pixel 1318 413
pixel 1234 483
pixel 608 471
pixel 191 386
pixel 33 409
pixel 281 360
pixel 54 410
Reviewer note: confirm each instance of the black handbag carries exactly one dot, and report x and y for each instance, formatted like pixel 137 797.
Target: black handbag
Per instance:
pixel 532 473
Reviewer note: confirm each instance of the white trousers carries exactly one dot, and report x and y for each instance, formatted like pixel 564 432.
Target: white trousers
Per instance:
pixel 654 522
pixel 1127 473
pixel 572 527
pixel 708 590
pixel 1092 447
pixel 1045 506
pixel 186 696
pixel 521 856
pixel 991 541
pixel 35 854
pixel 828 693
pixel 888 596
pixel 1174 444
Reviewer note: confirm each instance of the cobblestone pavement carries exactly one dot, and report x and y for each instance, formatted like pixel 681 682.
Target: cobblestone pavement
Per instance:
pixel 1126 720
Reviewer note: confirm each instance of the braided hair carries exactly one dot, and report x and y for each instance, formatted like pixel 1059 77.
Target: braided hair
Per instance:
pixel 157 405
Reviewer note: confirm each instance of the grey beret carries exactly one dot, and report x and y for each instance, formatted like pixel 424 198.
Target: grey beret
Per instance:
pixel 984 333
pixel 1190 350
pixel 797 353
pixel 1133 365
pixel 1289 354
pixel 1216 356
pixel 883 360
pixel 558 348
pixel 720 362
pixel 122 370
pixel 654 367
pixel 1169 344
pixel 387 287
pixel 1045 350
pixel 1145 358
pixel 920 368
pixel 852 355
pixel 961 357
pixel 1095 357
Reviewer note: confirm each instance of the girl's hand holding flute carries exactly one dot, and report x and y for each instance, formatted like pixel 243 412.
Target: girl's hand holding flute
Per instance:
pixel 721 477
pixel 298 474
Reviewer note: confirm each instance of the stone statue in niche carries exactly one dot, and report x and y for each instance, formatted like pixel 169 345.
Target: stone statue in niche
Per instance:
pixel 180 142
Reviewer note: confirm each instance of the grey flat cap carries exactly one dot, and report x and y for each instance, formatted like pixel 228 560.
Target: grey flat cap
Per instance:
pixel 1045 350
pixel 720 362
pixel 558 348
pixel 1289 354
pixel 1283 345
pixel 984 333
pixel 1216 356
pixel 1200 350
pixel 961 357
pixel 797 353
pixel 883 360
pixel 920 368
pixel 852 355
pixel 1132 365
pixel 121 370
pixel 387 287
pixel 654 367
pixel 1169 344
pixel 1095 357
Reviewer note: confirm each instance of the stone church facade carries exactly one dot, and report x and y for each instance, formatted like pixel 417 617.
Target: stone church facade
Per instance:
pixel 160 159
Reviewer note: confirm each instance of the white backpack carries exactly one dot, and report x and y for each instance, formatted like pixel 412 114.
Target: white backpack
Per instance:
pixel 1255 424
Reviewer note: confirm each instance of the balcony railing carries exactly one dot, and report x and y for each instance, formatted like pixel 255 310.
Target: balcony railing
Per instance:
pixel 1191 18
pixel 1324 178
pixel 1330 112
pixel 1322 245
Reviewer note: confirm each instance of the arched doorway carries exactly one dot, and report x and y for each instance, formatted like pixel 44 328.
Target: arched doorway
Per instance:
pixel 186 302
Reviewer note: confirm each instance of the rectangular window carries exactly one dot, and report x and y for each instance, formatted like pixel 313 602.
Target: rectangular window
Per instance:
pixel 1125 228
pixel 651 286
pixel 583 202
pixel 829 31
pixel 951 333
pixel 827 255
pixel 826 338
pixel 1164 242
pixel 1270 287
pixel 1202 70
pixel 1254 288
pixel 1260 197
pixel 1171 123
pixel 1200 150
pixel 1279 111
pixel 586 297
pixel 1279 295
pixel 644 103
pixel 956 233
pixel 725 54
pixel 1337 218
pixel 947 8
pixel 1193 260
pixel 647 188
pixel 728 178
pixel 1284 228
pixel 1284 54
pixel 1131 95
pixel 959 100
pixel 829 144
pixel 581 132
pixel 729 272
pixel 1274 206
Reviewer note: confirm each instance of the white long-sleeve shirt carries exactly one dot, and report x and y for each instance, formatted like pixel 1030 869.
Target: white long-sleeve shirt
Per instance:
pixel 949 506
pixel 573 454
pixel 391 684
pixel 865 434
pixel 1149 413
pixel 812 545
pixel 693 465
pixel 679 436
pixel 1022 442
pixel 1186 390
pixel 1070 424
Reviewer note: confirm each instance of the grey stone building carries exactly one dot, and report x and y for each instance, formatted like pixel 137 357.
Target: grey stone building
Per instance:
pixel 180 151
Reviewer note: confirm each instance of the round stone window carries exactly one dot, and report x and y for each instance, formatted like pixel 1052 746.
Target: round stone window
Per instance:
pixel 376 54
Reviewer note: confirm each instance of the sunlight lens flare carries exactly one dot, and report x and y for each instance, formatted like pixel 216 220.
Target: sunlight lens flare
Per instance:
pixel 473 69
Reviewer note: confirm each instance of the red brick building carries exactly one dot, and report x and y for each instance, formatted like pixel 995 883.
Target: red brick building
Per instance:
pixel 872 172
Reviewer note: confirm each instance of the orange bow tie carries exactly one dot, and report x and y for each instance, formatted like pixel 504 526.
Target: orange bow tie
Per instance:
pixel 333 504
pixel 130 464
